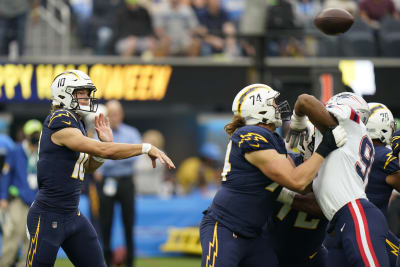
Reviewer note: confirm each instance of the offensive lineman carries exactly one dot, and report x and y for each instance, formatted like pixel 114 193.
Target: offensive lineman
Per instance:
pixel 255 164
pixel 292 225
pixel 385 171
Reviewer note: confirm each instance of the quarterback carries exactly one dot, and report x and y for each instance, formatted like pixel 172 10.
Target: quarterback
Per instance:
pixel 65 154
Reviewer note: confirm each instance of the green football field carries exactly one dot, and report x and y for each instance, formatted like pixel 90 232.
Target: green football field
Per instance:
pixel 151 262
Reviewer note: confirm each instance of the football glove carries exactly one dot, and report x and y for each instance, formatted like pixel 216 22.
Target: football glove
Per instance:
pixel 298 130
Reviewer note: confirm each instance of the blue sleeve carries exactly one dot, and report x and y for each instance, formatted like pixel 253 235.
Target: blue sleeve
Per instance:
pixel 391 165
pixel 396 143
pixel 62 119
pixel 5 180
pixel 296 157
pixel 249 141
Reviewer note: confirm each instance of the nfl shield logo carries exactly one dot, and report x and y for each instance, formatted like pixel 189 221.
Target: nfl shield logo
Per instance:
pixel 54 225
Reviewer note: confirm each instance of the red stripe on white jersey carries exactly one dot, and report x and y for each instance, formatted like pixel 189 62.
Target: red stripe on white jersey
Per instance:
pixel 362 235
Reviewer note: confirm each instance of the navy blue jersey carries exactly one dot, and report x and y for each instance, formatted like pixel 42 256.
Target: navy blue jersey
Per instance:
pixel 60 170
pixel 295 231
pixel 378 191
pixel 243 202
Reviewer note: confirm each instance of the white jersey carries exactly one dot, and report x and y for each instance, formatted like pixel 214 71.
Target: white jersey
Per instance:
pixel 344 173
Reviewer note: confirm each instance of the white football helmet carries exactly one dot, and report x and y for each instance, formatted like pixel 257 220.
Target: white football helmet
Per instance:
pixel 381 123
pixel 65 84
pixel 256 103
pixel 356 102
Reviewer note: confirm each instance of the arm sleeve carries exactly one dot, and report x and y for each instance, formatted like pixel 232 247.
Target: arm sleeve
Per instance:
pixel 62 119
pixel 297 158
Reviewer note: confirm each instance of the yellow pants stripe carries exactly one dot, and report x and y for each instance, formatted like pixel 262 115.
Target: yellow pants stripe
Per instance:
pixel 213 244
pixel 33 246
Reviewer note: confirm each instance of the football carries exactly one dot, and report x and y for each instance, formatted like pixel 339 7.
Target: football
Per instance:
pixel 333 21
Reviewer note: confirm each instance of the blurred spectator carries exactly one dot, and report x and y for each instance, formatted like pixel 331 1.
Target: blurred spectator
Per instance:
pixel 175 26
pixel 220 32
pixel 202 172
pixel 149 180
pixel 198 6
pixel 349 5
pixel 116 183
pixel 281 18
pixel 13 16
pixel 134 30
pixel 100 25
pixel 18 189
pixel 372 11
pixel 234 8
pixel 306 10
pixel 6 143
pixel 82 11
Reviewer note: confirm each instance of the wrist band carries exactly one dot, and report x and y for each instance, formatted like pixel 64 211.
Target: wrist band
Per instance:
pixel 146 148
pixel 98 159
pixel 299 118
pixel 286 196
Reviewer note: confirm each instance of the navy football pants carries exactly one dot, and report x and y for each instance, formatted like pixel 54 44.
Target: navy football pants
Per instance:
pixel 318 259
pixel 222 248
pixel 359 236
pixel 73 232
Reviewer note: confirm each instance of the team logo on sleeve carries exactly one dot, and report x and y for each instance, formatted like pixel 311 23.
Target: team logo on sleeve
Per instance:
pixel 253 139
pixel 389 159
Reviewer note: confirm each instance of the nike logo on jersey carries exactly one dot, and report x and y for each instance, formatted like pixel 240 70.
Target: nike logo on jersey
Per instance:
pixel 341 229
pixel 67 122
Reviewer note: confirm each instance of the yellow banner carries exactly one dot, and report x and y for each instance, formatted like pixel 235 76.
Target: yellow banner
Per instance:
pixel 122 82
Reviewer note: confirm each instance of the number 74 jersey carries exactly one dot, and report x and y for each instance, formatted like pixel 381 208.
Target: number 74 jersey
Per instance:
pixel 344 173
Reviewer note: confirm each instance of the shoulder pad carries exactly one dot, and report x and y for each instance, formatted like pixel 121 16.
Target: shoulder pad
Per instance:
pixel 62 119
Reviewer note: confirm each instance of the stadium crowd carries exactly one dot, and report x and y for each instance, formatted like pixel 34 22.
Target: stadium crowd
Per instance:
pixel 159 28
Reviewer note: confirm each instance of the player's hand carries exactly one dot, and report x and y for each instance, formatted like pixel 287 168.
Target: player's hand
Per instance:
pixel 3 204
pixel 333 139
pixel 155 153
pixel 306 146
pixel 396 143
pixel 298 130
pixel 103 129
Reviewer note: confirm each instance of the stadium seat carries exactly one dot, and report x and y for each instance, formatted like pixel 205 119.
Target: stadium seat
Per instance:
pixel 389 37
pixel 359 41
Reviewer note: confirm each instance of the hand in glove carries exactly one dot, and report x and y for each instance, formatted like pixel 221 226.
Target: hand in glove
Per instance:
pixel 298 130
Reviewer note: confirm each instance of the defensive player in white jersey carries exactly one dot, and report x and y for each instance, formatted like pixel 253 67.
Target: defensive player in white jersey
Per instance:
pixel 358 228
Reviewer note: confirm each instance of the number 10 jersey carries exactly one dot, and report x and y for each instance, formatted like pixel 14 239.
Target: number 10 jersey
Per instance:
pixel 60 169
